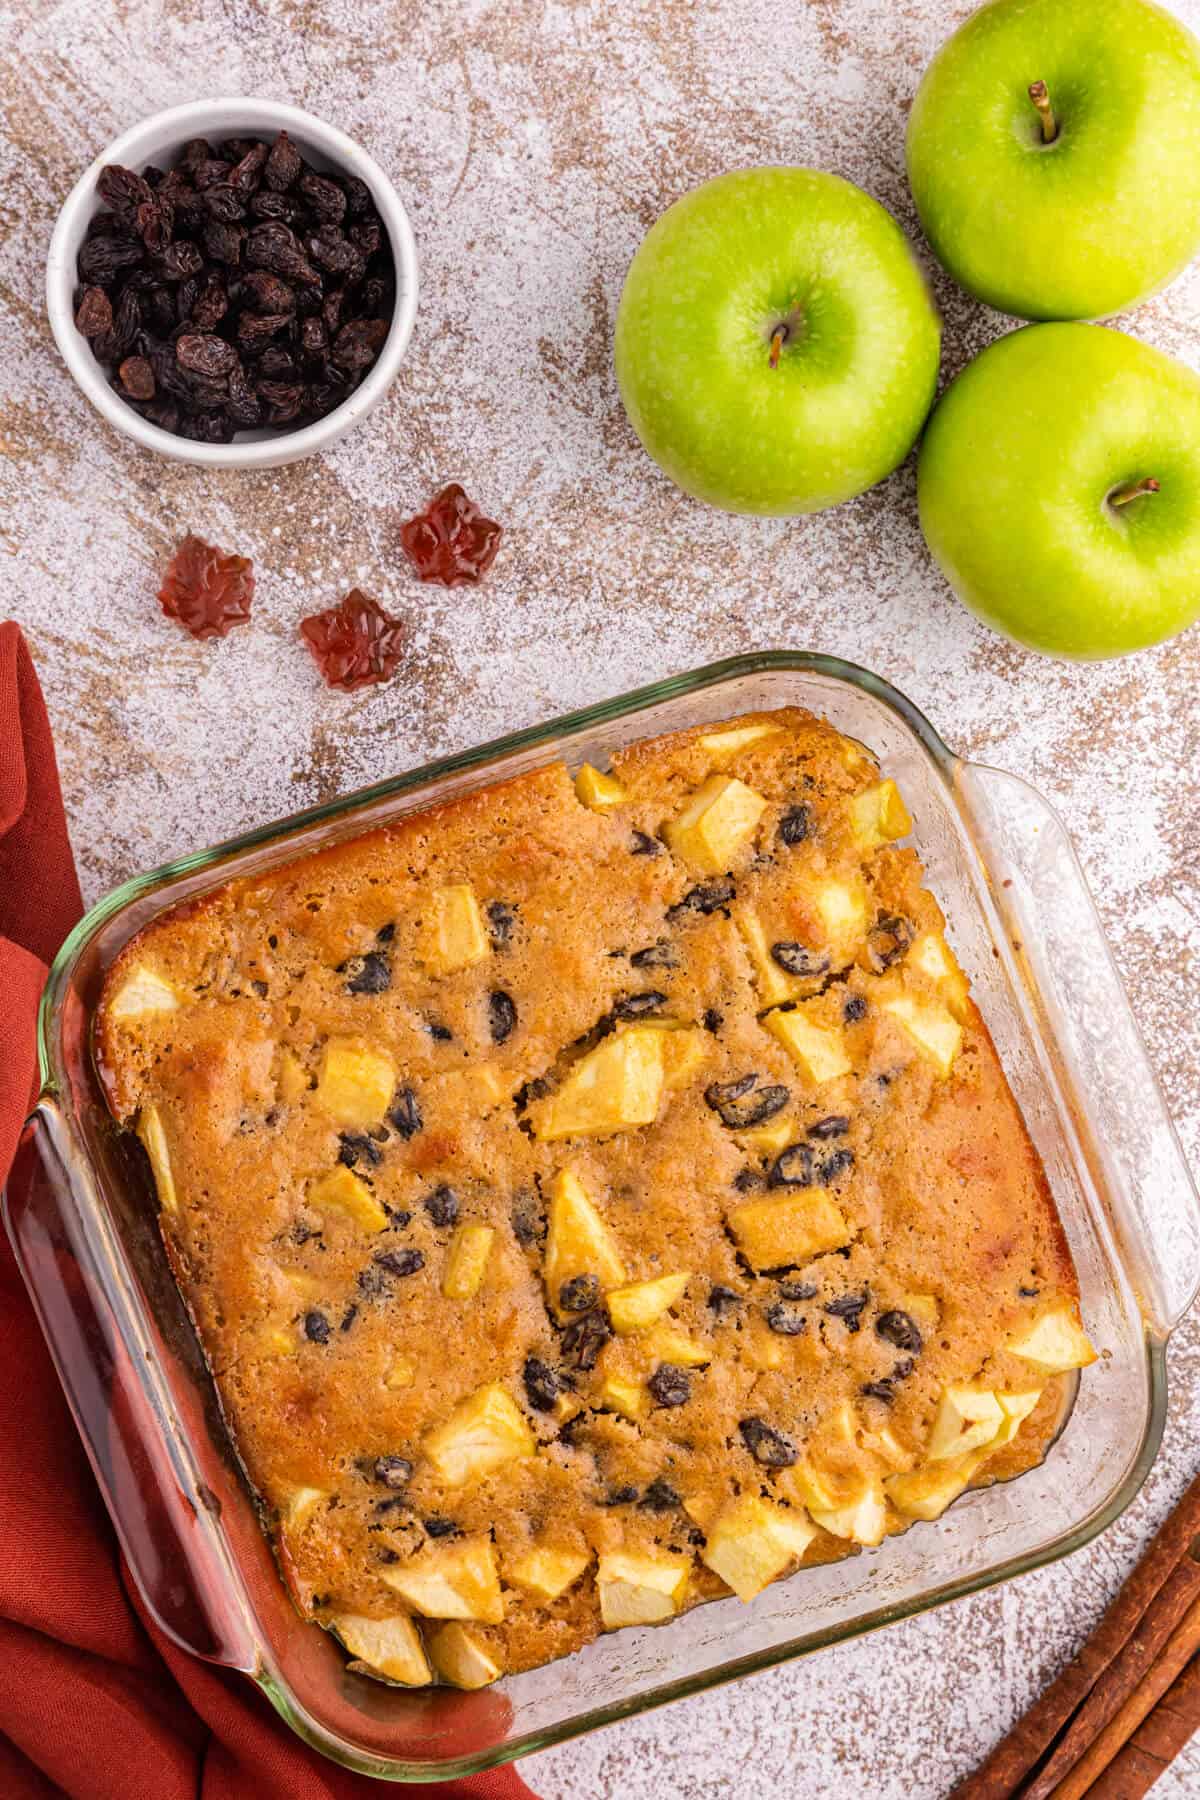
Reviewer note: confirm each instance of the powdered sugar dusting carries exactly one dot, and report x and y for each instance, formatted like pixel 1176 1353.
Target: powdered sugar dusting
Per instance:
pixel 533 144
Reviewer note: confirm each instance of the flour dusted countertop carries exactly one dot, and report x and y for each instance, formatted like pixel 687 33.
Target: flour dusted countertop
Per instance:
pixel 533 145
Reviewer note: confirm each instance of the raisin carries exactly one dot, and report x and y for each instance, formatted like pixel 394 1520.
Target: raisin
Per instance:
pixel 405 1113
pixel 528 1225
pixel 400 1262
pixel 739 1107
pixel 670 1385
pixel 331 309
pixel 836 1125
pixel 358 196
pixel 620 1496
pixel 437 1527
pixel 267 205
pixel 773 1449
pixel 356 1147
pixel 336 255
pixel 225 205
pixel 798 959
pixel 209 172
pixel 793 1167
pixel 349 1316
pixel 283 164
pixel 202 353
pixel 137 378
pixel 543 1385
pixel 283 401
pixel 101 259
pixel 898 1328
pixel 450 542
pixel 367 237
pixel 209 426
pixel 747 1180
pixel 207 591
pixel 354 643
pixel 393 1471
pixel 316 1327
pixel 256 328
pixel 441 1034
pixel 248 172
pixel 123 189
pixel 502 1016
pixel 644 845
pixel 156 223
pixel 274 246
pixel 798 1290
pixel 579 1294
pixel 502 919
pixel 796 825
pixel 181 259
pixel 1028 1293
pixel 127 318
pixel 835 1166
pixel 210 304
pixel 94 313
pixel 369 974
pixel 442 1205
pixel 879 1390
pixel 314 339
pixel 706 897
pixel 854 1009
pixel 712 1020
pixel 358 344
pixel 659 955
pixel 242 403
pixel 660 1497
pixel 268 293
pixel 723 1300
pixel 325 197
pixel 887 941
pixel 849 1309
pixel 785 1320
pixel 372 1281
pixel 585 1337
pixel 637 1006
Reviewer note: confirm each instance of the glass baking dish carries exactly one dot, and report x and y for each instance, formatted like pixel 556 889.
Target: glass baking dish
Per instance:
pixel 81 1217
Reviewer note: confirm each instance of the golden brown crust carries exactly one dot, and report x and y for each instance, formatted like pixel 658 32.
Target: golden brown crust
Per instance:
pixel 328 1332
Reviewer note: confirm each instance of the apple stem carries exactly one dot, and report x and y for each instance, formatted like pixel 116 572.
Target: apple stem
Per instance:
pixel 1039 93
pixel 778 339
pixel 1123 495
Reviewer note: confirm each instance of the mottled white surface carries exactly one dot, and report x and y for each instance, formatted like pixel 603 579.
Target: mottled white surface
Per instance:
pixel 534 144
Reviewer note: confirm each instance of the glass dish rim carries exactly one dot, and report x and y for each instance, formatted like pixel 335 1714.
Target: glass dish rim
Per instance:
pixel 274 1682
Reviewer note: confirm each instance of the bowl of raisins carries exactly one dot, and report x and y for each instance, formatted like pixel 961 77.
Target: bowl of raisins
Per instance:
pixel 233 283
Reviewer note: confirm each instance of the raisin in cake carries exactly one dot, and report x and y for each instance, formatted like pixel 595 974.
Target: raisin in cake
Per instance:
pixel 594 1196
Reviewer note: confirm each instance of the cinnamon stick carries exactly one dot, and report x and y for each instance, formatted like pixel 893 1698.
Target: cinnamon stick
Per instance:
pixel 1156 1742
pixel 1174 1658
pixel 1012 1759
pixel 1177 1601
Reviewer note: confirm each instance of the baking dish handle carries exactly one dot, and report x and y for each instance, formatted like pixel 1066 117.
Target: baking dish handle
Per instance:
pixel 1062 965
pixel 166 1533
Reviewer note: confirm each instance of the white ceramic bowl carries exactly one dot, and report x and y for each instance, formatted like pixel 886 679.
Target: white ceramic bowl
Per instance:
pixel 159 140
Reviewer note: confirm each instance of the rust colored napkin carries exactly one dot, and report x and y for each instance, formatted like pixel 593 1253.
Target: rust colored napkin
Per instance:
pixel 94 1703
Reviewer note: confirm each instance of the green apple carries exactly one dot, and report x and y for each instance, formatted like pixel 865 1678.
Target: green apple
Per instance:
pixel 1054 154
pixel 776 345
pixel 1059 488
